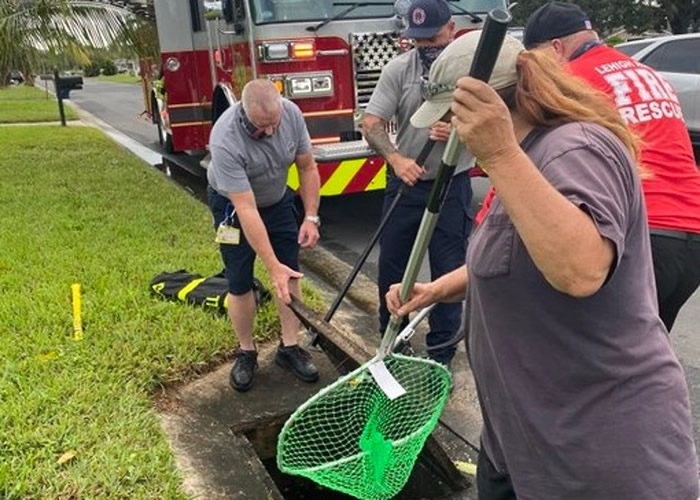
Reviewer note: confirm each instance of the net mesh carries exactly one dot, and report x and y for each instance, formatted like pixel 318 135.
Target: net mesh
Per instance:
pixel 352 438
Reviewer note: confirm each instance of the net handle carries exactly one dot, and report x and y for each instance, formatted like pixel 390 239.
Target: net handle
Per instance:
pixel 485 57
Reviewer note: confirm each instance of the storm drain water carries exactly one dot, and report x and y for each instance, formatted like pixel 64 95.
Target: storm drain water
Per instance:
pixel 422 484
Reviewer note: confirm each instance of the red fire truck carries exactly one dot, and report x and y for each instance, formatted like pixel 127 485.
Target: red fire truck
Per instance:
pixel 324 55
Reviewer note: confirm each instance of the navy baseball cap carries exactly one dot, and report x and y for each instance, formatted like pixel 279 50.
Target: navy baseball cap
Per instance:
pixel 554 20
pixel 426 18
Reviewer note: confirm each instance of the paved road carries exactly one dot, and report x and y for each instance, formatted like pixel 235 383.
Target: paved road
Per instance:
pixel 120 105
pixel 348 222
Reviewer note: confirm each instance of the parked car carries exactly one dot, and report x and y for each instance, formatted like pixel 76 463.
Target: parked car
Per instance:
pixel 677 58
pixel 517 32
pixel 15 77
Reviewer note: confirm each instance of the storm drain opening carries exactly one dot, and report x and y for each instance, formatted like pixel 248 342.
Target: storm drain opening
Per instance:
pixel 262 435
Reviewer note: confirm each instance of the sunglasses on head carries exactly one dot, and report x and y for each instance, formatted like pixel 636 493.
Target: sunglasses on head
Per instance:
pixel 430 89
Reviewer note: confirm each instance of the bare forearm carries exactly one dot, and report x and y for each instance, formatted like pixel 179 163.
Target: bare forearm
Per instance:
pixel 377 137
pixel 451 287
pixel 561 239
pixel 309 187
pixel 256 235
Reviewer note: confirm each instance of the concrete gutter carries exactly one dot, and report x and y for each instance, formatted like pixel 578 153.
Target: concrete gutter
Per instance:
pixel 334 271
pixel 39 124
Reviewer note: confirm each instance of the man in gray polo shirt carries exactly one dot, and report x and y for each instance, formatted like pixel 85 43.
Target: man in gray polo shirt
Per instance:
pixel 397 96
pixel 252 147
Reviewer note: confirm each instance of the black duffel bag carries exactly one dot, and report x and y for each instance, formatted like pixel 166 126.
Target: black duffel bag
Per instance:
pixel 192 288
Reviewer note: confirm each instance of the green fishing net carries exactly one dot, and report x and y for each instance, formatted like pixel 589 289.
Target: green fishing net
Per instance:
pixel 352 438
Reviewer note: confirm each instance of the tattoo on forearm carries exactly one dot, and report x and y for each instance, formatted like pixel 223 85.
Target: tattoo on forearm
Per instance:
pixel 379 140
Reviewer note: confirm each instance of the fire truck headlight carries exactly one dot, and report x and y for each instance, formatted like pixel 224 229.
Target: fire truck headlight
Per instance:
pixel 276 51
pixel 300 86
pixel 172 64
pixel 322 84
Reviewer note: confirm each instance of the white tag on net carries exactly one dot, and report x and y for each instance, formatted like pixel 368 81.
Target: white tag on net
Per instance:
pixel 385 380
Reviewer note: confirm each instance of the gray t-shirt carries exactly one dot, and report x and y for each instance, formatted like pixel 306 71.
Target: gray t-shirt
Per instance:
pixel 398 95
pixel 582 398
pixel 240 163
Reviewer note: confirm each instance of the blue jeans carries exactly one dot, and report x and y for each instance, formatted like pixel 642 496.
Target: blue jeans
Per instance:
pixel 447 250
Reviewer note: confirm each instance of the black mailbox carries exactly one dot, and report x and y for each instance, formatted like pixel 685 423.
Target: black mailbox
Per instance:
pixel 65 84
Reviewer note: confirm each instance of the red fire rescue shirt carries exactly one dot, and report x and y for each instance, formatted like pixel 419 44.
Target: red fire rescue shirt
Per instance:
pixel 649 105
pixel 651 108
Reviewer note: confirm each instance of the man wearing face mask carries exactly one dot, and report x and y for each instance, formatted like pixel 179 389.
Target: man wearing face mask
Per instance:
pixel 252 146
pixel 399 93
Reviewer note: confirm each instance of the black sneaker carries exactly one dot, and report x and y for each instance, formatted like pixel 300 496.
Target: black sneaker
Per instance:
pixel 242 371
pixel 298 361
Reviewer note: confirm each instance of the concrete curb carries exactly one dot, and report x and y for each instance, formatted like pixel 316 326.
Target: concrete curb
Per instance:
pixel 334 271
pixel 42 124
pixel 319 260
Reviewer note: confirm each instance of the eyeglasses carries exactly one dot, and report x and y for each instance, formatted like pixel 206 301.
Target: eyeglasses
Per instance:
pixel 429 90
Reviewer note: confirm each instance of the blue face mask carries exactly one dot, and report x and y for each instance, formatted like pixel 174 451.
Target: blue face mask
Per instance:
pixel 429 54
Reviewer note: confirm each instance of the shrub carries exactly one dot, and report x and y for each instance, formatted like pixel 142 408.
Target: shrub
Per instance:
pixel 109 68
pixel 92 69
pixel 614 40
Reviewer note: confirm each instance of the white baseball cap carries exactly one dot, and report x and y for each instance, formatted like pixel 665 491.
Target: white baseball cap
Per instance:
pixel 454 63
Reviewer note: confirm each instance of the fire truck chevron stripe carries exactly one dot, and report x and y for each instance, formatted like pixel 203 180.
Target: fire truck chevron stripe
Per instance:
pixel 379 181
pixel 342 176
pixel 349 176
pixel 293 178
pixel 363 179
pixel 326 171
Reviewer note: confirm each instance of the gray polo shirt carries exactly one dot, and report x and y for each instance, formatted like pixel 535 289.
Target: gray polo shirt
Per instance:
pixel 240 163
pixel 398 95
pixel 582 398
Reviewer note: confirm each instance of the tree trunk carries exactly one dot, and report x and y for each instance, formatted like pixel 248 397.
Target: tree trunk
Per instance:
pixel 680 14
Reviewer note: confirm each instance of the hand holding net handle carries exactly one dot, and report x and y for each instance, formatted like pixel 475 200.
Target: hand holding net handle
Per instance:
pixel 485 57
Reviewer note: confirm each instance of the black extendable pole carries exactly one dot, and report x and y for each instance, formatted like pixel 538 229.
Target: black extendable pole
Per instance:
pixel 422 156
pixel 420 160
pixel 486 54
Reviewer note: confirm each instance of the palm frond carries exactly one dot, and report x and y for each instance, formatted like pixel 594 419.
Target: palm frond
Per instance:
pixel 68 30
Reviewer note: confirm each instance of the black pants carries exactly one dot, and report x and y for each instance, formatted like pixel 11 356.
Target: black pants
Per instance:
pixel 677 273
pixel 447 249
pixel 491 484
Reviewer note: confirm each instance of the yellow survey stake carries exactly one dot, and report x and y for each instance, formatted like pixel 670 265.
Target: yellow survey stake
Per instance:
pixel 77 319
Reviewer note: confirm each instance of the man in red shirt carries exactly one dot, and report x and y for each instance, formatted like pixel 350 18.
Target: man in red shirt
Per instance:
pixel 650 107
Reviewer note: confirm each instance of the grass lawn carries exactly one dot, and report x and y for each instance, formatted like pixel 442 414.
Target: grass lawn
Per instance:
pixel 76 208
pixel 120 78
pixel 29 104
